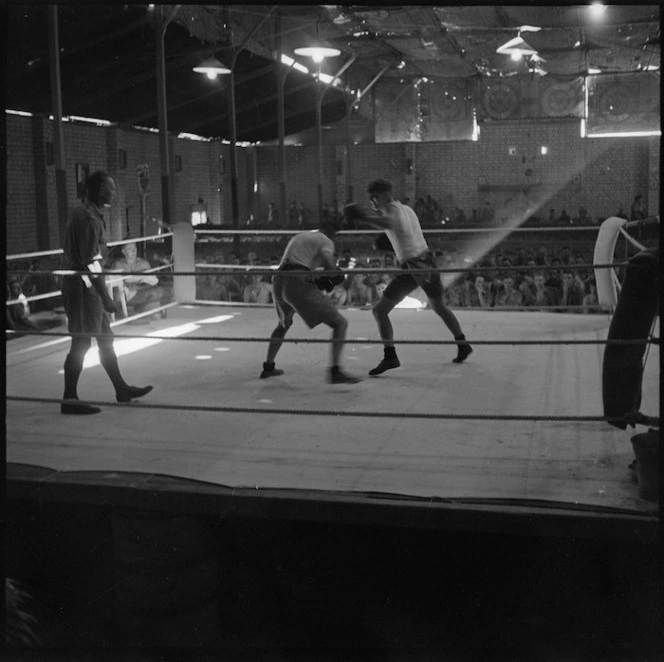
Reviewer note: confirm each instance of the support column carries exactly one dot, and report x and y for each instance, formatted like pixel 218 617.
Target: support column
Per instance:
pixel 319 126
pixel 281 81
pixel 163 117
pixel 340 159
pixel 42 216
pixel 410 183
pixel 56 103
pixel 349 179
pixel 233 157
pixel 652 198
pixel 118 211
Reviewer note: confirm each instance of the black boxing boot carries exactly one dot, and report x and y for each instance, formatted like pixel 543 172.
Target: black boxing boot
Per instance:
pixel 337 376
pixel 128 393
pixel 123 391
pixel 270 371
pixel 389 362
pixel 73 367
pixel 464 350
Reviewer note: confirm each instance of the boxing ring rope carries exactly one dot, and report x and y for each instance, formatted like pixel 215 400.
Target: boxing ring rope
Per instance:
pixel 349 341
pixel 323 412
pixel 262 270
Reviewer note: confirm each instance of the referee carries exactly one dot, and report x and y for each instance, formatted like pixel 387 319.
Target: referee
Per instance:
pixel 87 303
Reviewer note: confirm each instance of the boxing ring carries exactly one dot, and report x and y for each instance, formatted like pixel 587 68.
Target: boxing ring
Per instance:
pixel 513 439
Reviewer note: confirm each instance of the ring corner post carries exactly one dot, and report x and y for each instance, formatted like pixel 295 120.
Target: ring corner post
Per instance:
pixel 184 287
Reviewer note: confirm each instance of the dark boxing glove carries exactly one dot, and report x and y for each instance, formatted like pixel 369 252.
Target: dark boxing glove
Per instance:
pixel 382 243
pixel 353 212
pixel 328 283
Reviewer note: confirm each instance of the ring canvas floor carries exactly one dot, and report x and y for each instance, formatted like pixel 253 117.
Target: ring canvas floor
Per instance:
pixel 559 462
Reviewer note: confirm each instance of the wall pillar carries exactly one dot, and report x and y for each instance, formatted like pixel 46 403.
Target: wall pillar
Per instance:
pixel 410 174
pixel 340 190
pixel 652 197
pixel 42 218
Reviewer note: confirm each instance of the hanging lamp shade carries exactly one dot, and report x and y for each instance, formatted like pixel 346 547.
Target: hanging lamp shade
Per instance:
pixel 317 53
pixel 518 45
pixel 212 68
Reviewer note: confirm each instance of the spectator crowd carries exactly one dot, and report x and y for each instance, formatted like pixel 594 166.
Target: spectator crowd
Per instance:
pixel 501 278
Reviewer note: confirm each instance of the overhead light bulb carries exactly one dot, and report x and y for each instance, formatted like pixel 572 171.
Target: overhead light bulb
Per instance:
pixel 516 56
pixel 597 9
pixel 317 53
pixel 212 68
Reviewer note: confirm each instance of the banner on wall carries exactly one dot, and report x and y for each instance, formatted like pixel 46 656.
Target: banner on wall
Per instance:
pixel 531 98
pixel 560 97
pixel 446 110
pixel 424 111
pixel 397 112
pixel 623 103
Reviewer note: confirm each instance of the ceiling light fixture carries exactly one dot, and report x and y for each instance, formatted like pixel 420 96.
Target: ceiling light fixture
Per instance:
pixel 516 46
pixel 212 68
pixel 317 53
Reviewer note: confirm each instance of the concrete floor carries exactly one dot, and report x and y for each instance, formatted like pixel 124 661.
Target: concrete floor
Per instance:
pixel 569 463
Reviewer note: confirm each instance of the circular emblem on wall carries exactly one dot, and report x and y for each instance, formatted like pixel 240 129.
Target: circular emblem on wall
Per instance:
pixel 500 101
pixel 560 99
pixel 617 103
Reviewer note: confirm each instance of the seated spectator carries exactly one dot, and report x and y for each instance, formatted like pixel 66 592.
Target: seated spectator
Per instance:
pixel 360 289
pixel 564 218
pixel 573 289
pixel 566 256
pixel 622 213
pixel 544 295
pixel 257 291
pixel 638 210
pixel 554 279
pixel 346 261
pixel 272 215
pixel 527 284
pixel 293 216
pixel 467 292
pixel 18 316
pixel 583 274
pixel 484 294
pixel 339 295
pixel 252 258
pixel 509 295
pixel 40 284
pixel 590 302
pixel 305 218
pixel 460 216
pixel 141 293
pixel 230 286
pixel 583 218
pixel 542 256
pixel 207 288
pixel 382 284
pixel 520 258
pixel 488 213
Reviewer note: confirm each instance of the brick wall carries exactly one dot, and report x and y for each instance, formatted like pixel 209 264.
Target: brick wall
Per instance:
pixel 652 196
pixel 600 174
pixel 21 219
